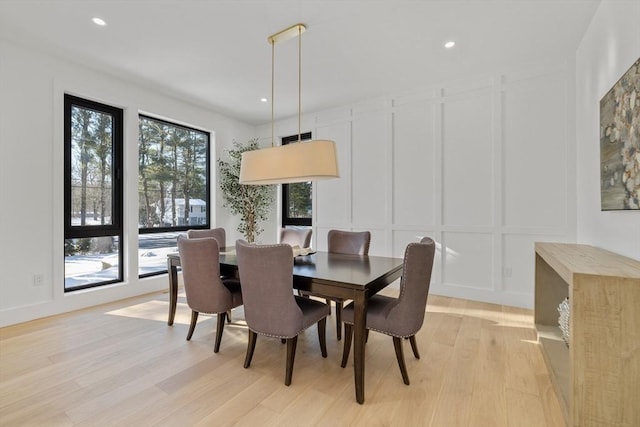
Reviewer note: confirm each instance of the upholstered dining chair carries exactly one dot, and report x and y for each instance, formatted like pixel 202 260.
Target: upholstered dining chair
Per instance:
pixel 206 291
pixel 221 236
pixel 270 307
pixel 400 317
pixel 296 237
pixel 346 242
pixel 217 233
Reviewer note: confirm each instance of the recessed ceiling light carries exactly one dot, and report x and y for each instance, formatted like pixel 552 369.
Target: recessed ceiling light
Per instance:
pixel 449 44
pixel 99 21
pixel 263 99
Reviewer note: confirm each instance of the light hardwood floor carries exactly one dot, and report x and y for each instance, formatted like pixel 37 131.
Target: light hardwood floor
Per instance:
pixel 121 365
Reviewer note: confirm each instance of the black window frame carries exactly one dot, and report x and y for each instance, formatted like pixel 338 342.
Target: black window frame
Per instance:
pixel 115 228
pixel 181 228
pixel 286 220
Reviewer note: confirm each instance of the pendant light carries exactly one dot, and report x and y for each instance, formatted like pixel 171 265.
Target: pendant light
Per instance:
pixel 295 162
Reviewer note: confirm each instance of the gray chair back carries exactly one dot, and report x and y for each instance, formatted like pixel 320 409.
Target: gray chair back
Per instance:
pixel 296 237
pixel 266 274
pixel 400 317
pixel 201 276
pixel 217 233
pixel 406 316
pixel 348 242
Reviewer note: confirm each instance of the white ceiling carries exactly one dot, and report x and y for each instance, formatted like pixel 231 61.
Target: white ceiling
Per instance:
pixel 215 53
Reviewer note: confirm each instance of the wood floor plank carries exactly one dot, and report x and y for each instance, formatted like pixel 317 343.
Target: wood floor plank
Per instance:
pixel 120 364
pixel 547 392
pixel 235 408
pixel 427 379
pixel 524 409
pixel 520 375
pixel 258 416
pixel 312 404
pixel 191 409
pixel 344 410
pixel 41 404
pixel 447 331
pixel 454 401
pixel 126 411
pixel 488 406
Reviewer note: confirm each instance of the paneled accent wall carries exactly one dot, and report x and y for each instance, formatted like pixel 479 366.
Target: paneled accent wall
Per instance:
pixel 485 167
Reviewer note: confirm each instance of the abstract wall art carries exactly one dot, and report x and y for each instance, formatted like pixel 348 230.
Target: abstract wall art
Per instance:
pixel 620 143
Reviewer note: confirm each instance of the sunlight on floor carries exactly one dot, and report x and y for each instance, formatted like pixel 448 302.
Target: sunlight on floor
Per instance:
pixel 151 310
pixel 513 318
pixel 157 311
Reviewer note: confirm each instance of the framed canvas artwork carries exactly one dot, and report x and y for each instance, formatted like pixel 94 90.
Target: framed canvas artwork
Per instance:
pixel 620 143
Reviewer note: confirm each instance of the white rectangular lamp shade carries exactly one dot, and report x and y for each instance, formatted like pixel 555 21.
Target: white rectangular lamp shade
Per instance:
pixel 285 164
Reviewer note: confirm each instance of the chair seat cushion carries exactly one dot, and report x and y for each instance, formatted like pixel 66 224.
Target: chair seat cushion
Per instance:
pixel 236 291
pixel 312 310
pixel 378 307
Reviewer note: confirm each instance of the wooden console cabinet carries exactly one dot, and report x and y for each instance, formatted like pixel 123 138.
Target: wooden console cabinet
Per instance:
pixel 597 377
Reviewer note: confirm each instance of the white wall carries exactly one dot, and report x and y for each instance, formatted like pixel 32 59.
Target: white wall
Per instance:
pixel 609 47
pixel 485 166
pixel 32 85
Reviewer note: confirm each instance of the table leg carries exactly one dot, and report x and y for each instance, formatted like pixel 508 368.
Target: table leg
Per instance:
pixel 173 290
pixel 359 330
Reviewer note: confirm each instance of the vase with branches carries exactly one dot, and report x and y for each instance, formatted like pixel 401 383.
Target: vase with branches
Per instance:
pixel 252 203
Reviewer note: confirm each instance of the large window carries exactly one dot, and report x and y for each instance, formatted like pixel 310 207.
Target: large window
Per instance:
pixel 92 194
pixel 173 188
pixel 296 198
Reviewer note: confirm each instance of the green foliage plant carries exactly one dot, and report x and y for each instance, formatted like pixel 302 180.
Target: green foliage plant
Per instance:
pixel 252 203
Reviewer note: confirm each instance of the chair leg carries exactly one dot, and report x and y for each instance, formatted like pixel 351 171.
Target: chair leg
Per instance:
pixel 397 343
pixel 322 335
pixel 291 355
pixel 192 326
pixel 328 301
pixel 366 335
pixel 348 333
pixel 414 346
pixel 219 330
pixel 251 345
pixel 229 316
pixel 339 319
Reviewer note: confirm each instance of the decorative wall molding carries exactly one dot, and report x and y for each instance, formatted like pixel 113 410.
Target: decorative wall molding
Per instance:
pixel 482 166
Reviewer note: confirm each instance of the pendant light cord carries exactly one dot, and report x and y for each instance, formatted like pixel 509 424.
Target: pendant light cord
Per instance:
pixel 299 82
pixel 273 56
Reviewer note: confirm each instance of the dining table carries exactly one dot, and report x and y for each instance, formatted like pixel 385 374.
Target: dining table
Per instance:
pixel 350 277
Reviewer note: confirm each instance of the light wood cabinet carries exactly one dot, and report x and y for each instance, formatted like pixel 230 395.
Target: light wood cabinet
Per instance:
pixel 597 377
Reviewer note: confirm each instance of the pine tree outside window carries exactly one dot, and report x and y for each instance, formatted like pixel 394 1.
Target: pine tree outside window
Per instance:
pixel 173 188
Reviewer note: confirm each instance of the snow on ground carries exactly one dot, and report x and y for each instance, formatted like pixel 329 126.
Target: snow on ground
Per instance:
pixel 82 270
